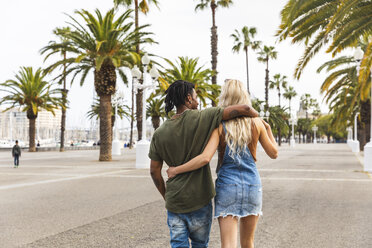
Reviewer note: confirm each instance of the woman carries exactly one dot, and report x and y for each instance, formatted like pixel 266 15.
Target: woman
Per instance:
pixel 238 186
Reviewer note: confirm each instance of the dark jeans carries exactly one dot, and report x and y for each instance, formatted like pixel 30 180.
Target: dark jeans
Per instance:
pixel 16 160
pixel 195 226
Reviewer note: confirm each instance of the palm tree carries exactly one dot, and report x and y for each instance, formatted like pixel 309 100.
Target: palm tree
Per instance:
pixel 32 93
pixel 308 103
pixel 265 55
pixel 188 69
pixel 213 4
pixel 61 48
pixel 155 110
pixel 106 45
pixel 123 111
pixel 244 40
pixel 289 94
pixel 278 83
pixel 322 22
pixel 343 94
pixel 139 6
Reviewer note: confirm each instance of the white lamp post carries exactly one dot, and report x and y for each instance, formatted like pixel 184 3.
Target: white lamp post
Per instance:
pixel 142 148
pixel 315 128
pixel 116 100
pixel 355 143
pixel 358 56
pixel 293 122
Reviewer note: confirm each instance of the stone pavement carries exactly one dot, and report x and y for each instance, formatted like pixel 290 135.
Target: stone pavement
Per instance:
pixel 313 196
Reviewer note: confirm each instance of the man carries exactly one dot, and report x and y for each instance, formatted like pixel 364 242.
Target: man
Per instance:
pixel 16 153
pixel 188 196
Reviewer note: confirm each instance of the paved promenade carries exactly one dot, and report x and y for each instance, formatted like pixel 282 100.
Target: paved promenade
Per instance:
pixel 313 196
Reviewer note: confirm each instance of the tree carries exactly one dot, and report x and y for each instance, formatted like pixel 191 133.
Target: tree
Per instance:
pixel 343 94
pixel 156 111
pixel 265 55
pixel 61 48
pixel 139 6
pixel 213 4
pixel 304 128
pixel 123 111
pixel 31 92
pixel 243 41
pixel 105 45
pixel 278 83
pixel 308 103
pixel 188 69
pixel 328 22
pixel 289 94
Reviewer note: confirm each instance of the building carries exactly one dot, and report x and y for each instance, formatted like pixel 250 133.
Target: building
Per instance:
pixel 14 125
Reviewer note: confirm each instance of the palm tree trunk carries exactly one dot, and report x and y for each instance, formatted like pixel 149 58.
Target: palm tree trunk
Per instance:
pixel 64 100
pixel 290 112
pixel 246 59
pixel 267 83
pixel 105 128
pixel 214 42
pixel 279 97
pixel 139 92
pixel 32 129
pixel 132 120
pixel 155 121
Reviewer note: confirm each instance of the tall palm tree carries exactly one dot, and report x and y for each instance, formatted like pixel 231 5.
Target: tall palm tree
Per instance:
pixel 30 91
pixel 188 69
pixel 244 40
pixel 323 22
pixel 278 83
pixel 61 48
pixel 103 44
pixel 213 5
pixel 143 7
pixel 267 53
pixel 308 103
pixel 289 94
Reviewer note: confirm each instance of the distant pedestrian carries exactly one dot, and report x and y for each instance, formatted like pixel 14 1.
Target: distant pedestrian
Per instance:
pixel 16 153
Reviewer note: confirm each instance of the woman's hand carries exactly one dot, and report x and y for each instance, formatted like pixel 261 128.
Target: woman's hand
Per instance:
pixel 172 172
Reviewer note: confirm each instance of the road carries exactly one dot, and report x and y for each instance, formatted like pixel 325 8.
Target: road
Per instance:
pixel 313 196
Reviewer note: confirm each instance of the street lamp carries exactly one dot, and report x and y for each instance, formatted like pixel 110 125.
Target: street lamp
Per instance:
pixel 142 148
pixel 358 56
pixel 293 122
pixel 315 128
pixel 264 115
pixel 116 100
pixel 355 143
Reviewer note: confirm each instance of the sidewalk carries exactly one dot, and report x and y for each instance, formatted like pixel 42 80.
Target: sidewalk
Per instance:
pixel 313 196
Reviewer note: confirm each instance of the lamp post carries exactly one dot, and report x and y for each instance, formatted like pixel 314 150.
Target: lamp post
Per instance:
pixel 358 56
pixel 293 122
pixel 142 148
pixel 315 128
pixel 355 146
pixel 117 99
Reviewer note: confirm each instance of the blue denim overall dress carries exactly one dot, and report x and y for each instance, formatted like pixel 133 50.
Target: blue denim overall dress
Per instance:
pixel 238 185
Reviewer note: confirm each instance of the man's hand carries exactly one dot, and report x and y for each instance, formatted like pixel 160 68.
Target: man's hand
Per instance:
pixel 157 178
pixel 267 126
pixel 172 172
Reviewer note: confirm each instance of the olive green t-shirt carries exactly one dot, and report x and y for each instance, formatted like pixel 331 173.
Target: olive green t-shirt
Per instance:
pixel 176 142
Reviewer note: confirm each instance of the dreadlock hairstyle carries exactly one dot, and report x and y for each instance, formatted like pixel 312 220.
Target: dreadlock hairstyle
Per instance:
pixel 177 93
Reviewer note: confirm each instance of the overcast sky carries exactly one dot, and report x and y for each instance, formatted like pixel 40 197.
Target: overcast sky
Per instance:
pixel 179 30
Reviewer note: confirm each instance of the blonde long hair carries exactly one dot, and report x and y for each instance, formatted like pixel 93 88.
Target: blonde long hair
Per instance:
pixel 238 130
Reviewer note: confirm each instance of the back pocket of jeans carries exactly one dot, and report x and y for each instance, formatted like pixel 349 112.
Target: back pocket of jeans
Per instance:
pixel 226 194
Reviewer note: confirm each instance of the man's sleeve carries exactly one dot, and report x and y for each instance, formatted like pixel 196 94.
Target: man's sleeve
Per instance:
pixel 153 153
pixel 213 116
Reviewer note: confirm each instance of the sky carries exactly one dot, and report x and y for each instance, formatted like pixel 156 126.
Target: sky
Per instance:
pixel 179 30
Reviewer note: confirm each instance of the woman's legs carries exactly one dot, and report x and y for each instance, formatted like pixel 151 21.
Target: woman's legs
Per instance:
pixel 247 228
pixel 228 231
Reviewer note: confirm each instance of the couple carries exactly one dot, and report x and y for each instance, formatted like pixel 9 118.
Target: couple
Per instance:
pixel 187 142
